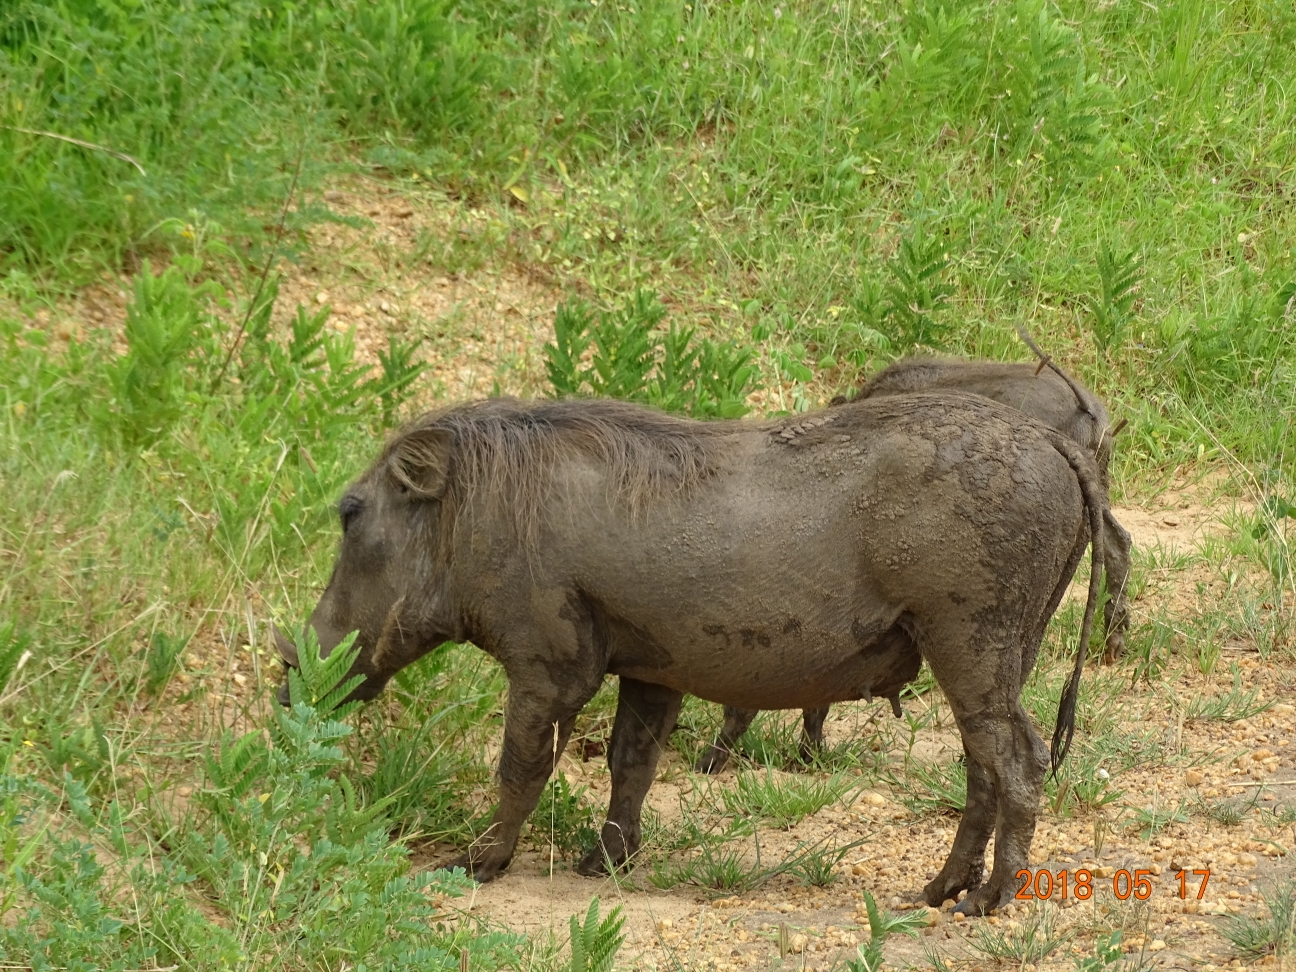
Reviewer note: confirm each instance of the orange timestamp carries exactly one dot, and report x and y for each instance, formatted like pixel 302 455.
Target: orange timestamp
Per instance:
pixel 1079 884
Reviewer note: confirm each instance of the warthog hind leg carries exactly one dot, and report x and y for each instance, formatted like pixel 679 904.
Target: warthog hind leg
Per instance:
pixel 965 867
pixel 736 722
pixel 812 737
pixel 644 717
pixel 1015 759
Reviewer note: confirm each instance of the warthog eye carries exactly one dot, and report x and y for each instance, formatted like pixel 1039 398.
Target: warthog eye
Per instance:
pixel 348 510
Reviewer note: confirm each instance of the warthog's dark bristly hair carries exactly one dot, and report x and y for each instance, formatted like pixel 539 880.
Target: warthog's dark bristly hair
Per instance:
pixel 507 449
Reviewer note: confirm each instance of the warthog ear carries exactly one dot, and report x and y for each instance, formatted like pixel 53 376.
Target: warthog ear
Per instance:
pixel 420 462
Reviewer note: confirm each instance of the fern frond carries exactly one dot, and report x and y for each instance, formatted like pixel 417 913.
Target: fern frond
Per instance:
pixel 322 683
pixel 594 943
pixel 240 763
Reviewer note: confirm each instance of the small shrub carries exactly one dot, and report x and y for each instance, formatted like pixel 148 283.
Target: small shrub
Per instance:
pixel 161 660
pixel 917 292
pixel 594 943
pixel 632 359
pixel 1053 107
pixel 882 925
pixel 282 828
pixel 563 818
pixel 1107 953
pixel 1119 278
pixel 169 328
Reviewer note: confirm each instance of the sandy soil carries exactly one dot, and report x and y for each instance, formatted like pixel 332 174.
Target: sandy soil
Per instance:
pixel 698 928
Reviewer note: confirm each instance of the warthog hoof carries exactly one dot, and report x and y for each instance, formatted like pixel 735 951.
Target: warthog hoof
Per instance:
pixel 612 852
pixel 712 761
pixel 1115 647
pixel 947 887
pixel 485 868
pixel 983 900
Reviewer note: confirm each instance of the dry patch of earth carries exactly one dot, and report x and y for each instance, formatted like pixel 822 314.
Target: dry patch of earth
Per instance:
pixel 1246 764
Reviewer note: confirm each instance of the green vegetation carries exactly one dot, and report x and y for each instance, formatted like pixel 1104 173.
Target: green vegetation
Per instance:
pixel 722 865
pixel 1107 952
pixel 632 360
pixel 593 944
pixel 1273 933
pixel 1030 942
pixel 783 802
pixel 882 925
pixel 747 207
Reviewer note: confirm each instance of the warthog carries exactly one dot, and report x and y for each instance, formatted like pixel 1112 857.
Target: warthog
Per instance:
pixel 1050 396
pixel 778 564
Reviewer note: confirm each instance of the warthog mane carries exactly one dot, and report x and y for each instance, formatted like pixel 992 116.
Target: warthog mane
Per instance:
pixel 505 451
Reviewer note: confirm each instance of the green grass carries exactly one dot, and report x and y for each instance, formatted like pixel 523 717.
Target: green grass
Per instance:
pixel 1273 933
pixel 809 189
pixel 1032 941
pixel 786 800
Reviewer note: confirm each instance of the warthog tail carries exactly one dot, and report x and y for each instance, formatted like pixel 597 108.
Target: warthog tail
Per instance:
pixel 1082 396
pixel 1095 501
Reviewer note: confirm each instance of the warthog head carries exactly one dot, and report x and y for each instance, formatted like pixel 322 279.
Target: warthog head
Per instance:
pixel 390 579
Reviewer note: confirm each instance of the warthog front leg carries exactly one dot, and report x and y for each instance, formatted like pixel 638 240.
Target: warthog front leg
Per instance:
pixel 1116 566
pixel 537 724
pixel 736 722
pixel 644 717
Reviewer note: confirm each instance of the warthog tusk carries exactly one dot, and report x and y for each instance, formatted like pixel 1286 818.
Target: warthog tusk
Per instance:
pixel 391 625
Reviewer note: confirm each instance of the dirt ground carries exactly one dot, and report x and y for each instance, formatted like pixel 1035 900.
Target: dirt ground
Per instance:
pixel 695 929
pixel 483 331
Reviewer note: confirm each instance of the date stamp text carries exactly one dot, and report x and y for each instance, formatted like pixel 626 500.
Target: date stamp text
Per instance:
pixel 1080 883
